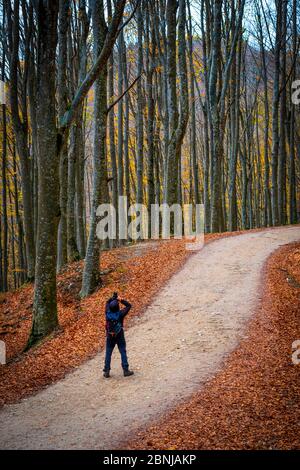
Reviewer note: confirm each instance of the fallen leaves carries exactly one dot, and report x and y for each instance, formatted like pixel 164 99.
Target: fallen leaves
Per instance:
pixel 254 402
pixel 137 272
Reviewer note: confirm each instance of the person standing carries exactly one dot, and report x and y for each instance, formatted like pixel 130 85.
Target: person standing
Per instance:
pixel 115 333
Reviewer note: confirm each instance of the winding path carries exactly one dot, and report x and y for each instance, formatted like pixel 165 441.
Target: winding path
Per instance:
pixel 180 341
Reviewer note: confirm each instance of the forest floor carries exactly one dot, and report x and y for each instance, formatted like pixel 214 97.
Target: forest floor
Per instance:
pixel 254 401
pixel 137 272
pixel 176 347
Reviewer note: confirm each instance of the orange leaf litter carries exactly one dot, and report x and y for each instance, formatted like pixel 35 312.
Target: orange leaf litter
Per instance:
pixel 254 402
pixel 136 272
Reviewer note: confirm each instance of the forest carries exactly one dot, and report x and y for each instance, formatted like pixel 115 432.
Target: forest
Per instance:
pixel 175 101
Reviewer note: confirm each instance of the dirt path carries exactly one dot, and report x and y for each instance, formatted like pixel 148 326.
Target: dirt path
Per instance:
pixel 209 302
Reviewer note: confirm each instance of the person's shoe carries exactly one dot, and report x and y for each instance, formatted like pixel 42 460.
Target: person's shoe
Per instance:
pixel 106 374
pixel 128 372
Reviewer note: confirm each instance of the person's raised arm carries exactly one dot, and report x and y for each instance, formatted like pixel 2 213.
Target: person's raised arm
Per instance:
pixel 126 309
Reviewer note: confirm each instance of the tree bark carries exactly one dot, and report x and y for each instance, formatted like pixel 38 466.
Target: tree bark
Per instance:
pixel 45 318
pixel 20 126
pixel 282 197
pixel 91 272
pixel 275 116
pixel 139 114
pixel 63 102
pixel 150 59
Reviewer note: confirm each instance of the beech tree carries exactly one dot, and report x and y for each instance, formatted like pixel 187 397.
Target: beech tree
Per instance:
pixel 51 144
pixel 175 101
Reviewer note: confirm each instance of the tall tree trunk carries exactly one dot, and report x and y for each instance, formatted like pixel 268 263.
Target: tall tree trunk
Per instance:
pixel 139 114
pixel 120 156
pixel 235 107
pixel 178 123
pixel 73 254
pixel 45 307
pixel 91 272
pixel 62 252
pixel 80 161
pixel 275 114
pixel 206 116
pixel 172 157
pixel 267 196
pixel 12 243
pixel 126 126
pixel 150 57
pixel 21 133
pixel 4 228
pixel 216 154
pixel 51 143
pixel 292 143
pixel 21 255
pixel 63 101
pixel 194 160
pixel 111 127
pixel 166 119
pixel 79 184
pixel 282 213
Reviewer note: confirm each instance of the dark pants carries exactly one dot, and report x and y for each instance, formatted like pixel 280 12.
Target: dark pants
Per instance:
pixel 111 342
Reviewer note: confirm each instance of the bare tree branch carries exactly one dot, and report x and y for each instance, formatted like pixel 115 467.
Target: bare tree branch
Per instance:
pixel 123 94
pixel 97 67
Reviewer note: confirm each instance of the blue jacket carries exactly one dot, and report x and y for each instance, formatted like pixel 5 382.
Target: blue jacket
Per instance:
pixel 122 313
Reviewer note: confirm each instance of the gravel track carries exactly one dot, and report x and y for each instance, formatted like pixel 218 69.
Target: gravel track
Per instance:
pixel 179 342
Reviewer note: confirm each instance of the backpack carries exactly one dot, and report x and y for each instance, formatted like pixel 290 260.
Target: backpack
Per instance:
pixel 114 323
